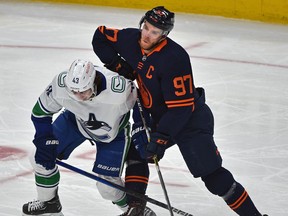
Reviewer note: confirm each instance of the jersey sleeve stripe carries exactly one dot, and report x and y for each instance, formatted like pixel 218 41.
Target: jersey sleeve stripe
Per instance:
pixel 182 105
pixel 40 111
pixel 179 101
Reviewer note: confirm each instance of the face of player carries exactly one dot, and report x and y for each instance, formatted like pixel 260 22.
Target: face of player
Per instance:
pixel 150 37
pixel 83 96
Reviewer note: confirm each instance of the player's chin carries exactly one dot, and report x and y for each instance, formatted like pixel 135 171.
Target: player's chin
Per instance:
pixel 145 45
pixel 80 99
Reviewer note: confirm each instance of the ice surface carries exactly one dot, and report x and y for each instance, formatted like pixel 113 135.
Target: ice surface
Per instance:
pixel 242 65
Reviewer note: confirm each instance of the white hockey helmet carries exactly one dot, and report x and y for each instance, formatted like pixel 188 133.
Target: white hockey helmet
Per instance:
pixel 80 76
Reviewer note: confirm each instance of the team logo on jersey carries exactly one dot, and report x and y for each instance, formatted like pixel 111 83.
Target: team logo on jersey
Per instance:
pixel 61 78
pixel 94 124
pixel 118 84
pixel 144 92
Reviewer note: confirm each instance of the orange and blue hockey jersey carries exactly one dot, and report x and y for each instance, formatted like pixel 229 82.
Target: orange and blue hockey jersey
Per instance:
pixel 164 76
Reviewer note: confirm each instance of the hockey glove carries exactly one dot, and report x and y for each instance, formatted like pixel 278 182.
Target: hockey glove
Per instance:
pixel 139 138
pixel 156 146
pixel 46 151
pixel 120 66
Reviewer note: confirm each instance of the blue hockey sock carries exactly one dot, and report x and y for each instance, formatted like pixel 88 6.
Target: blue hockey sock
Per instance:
pixel 239 201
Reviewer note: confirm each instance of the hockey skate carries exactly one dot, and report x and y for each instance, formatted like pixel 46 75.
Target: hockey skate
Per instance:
pixel 138 209
pixel 52 207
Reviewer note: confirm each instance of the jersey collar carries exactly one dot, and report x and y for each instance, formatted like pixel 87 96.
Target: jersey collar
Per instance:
pixel 158 48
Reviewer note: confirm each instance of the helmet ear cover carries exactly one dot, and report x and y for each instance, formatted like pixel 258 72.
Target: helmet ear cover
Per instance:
pixel 159 17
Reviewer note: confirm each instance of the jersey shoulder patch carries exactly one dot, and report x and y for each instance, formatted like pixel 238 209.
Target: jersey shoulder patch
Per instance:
pixel 60 79
pixel 118 84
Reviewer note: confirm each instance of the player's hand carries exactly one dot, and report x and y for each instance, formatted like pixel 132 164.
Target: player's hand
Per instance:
pixel 120 66
pixel 46 151
pixel 139 138
pixel 156 146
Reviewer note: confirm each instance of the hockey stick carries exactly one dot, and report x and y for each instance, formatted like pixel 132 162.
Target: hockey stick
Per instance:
pixel 155 158
pixel 119 187
pixel 163 184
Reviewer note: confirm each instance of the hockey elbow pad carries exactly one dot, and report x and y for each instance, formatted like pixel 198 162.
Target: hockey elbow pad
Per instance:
pixel 120 66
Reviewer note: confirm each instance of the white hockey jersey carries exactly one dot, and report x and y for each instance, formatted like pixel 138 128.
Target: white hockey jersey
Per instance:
pixel 98 118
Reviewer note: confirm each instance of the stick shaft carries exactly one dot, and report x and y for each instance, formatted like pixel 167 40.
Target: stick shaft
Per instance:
pixel 119 187
pixel 163 185
pixel 155 159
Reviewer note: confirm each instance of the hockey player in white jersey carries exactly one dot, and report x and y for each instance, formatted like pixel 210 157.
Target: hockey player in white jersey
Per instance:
pixel 97 104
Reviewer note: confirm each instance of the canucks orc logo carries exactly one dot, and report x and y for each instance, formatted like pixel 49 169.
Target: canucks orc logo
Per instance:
pixel 94 124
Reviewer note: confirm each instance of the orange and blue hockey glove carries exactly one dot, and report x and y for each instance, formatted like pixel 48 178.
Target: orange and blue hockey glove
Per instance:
pixel 156 146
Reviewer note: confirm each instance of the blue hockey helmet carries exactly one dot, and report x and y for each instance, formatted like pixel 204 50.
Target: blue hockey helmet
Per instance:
pixel 159 17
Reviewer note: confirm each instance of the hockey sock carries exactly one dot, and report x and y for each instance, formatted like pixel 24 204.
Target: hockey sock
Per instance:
pixel 136 178
pixel 47 185
pixel 222 183
pixel 122 203
pixel 239 201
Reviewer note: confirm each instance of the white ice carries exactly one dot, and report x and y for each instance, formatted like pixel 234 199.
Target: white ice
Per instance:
pixel 243 66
